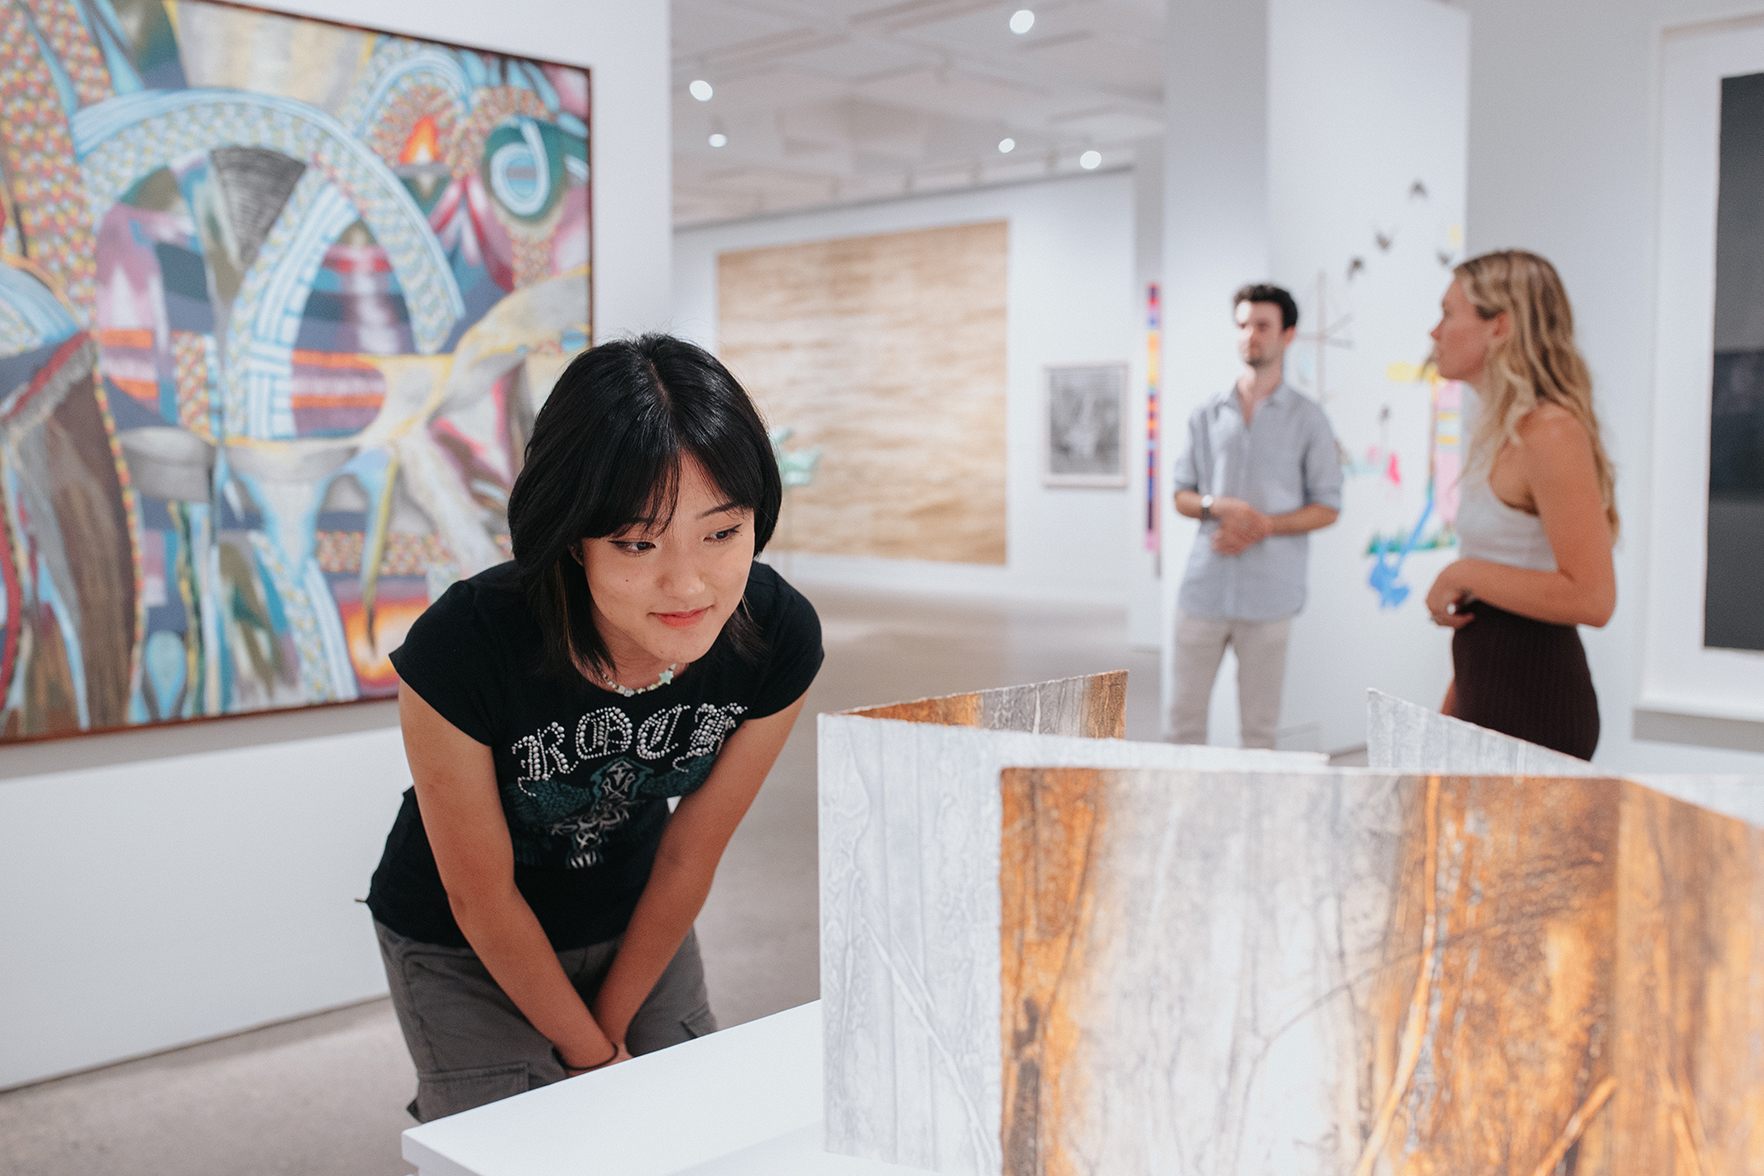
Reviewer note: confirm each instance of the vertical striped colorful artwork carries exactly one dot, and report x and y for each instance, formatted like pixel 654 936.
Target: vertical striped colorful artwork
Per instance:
pixel 279 300
pixel 1154 336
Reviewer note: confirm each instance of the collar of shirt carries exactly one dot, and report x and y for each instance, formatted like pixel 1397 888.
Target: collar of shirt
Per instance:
pixel 1279 398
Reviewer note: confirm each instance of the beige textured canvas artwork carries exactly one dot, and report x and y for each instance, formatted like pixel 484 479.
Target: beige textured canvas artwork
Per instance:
pixel 889 353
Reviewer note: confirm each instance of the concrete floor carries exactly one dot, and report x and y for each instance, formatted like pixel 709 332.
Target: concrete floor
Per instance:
pixel 325 1095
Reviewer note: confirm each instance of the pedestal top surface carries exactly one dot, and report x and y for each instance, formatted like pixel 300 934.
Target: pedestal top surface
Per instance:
pixel 745 1100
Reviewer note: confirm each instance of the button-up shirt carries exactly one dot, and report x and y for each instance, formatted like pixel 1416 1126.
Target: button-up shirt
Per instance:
pixel 1283 459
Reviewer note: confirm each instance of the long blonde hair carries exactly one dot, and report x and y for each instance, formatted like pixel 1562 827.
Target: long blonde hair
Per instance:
pixel 1536 364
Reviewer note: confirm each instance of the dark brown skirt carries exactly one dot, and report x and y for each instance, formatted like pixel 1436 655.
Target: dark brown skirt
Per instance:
pixel 1527 679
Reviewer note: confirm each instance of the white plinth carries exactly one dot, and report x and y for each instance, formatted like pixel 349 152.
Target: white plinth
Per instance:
pixel 743 1101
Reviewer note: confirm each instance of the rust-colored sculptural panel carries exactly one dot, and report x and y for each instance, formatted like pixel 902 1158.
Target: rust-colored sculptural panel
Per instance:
pixel 1493 1010
pixel 1090 707
pixel 1349 972
pixel 1053 821
pixel 1690 994
pixel 910 831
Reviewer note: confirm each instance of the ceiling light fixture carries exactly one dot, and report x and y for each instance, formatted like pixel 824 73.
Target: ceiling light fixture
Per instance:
pixel 1022 21
pixel 1006 146
pixel 719 140
pixel 701 90
pixel 1090 160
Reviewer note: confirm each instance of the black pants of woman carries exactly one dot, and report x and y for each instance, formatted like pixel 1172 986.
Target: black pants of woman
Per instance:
pixel 1527 679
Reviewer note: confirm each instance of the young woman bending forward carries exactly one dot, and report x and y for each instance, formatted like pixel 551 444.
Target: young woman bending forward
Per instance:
pixel 535 902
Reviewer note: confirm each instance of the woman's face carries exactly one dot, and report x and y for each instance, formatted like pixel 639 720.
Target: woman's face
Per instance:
pixel 661 596
pixel 1462 339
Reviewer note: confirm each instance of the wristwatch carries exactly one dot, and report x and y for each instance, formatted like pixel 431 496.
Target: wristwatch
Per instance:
pixel 1206 508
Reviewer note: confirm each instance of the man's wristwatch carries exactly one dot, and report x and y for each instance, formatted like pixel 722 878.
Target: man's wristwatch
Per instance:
pixel 1206 508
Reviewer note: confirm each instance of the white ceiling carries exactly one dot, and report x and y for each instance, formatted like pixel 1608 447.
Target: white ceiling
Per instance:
pixel 828 101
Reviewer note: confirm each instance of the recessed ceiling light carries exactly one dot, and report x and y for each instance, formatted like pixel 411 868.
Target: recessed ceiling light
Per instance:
pixel 701 90
pixel 721 140
pixel 1006 146
pixel 1090 160
pixel 1022 21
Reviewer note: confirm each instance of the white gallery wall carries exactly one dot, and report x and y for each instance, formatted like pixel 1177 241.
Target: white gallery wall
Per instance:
pixel 1367 122
pixel 164 886
pixel 1215 229
pixel 1070 299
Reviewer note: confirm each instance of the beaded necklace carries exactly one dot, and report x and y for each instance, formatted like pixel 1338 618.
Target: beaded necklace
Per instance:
pixel 667 676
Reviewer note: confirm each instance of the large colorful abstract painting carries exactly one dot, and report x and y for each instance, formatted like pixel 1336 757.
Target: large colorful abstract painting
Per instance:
pixel 278 302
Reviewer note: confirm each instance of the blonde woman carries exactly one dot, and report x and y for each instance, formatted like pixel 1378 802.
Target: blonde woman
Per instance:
pixel 1537 514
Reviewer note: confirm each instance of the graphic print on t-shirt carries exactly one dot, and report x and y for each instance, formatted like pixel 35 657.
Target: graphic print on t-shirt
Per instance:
pixel 577 786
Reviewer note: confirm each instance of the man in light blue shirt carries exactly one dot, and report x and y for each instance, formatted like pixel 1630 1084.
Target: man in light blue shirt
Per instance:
pixel 1261 471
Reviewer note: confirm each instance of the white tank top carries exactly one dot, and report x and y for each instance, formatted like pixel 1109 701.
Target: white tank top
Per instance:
pixel 1490 529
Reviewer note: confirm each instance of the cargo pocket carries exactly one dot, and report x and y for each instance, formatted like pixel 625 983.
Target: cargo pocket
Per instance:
pixel 448 1092
pixel 699 1022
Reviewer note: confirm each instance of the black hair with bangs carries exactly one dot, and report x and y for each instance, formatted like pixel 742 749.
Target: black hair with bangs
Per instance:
pixel 605 454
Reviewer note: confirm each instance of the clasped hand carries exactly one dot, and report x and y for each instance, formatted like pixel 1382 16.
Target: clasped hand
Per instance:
pixel 620 1054
pixel 1447 597
pixel 1241 526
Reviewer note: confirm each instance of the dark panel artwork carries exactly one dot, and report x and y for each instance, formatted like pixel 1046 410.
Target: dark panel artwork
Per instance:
pixel 1732 616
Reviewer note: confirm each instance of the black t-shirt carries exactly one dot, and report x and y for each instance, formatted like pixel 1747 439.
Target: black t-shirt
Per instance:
pixel 584 773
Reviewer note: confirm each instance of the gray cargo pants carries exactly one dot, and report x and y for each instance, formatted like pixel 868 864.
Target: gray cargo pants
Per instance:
pixel 472 1046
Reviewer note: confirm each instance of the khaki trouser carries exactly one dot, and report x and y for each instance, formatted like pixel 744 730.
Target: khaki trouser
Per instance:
pixel 1261 668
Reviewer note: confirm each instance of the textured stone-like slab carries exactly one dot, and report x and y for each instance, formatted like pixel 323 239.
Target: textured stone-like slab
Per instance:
pixel 1348 972
pixel 1094 706
pixel 910 834
pixel 889 352
pixel 1404 737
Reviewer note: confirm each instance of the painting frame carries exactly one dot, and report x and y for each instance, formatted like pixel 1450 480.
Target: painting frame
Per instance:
pixel 1679 674
pixel 397 564
pixel 1067 389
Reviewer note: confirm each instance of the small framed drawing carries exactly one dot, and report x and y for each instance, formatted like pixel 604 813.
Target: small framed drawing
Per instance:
pixel 1085 418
